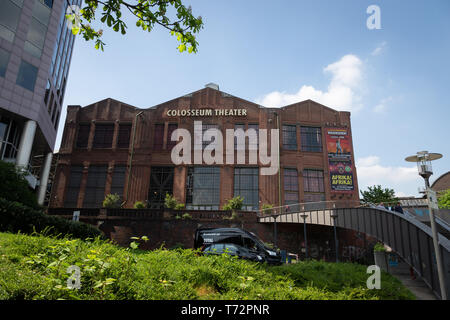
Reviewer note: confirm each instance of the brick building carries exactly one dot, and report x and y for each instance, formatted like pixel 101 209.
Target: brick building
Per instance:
pixel 442 183
pixel 113 147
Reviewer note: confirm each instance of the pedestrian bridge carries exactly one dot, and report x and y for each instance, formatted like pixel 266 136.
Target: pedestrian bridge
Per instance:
pixel 409 238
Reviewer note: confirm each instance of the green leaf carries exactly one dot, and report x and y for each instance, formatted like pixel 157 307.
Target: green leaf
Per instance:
pixel 75 30
pixel 134 245
pixel 110 21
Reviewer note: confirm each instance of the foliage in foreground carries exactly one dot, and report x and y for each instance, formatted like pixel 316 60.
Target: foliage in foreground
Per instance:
pixel 444 200
pixel 172 15
pixel 112 201
pixel 35 267
pixel 15 217
pixel 15 187
pixel 234 204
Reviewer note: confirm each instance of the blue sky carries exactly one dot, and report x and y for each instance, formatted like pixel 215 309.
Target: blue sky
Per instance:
pixel 395 80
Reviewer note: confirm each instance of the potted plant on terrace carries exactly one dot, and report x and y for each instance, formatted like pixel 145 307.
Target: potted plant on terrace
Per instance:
pixel 234 204
pixel 267 208
pixel 112 201
pixel 379 252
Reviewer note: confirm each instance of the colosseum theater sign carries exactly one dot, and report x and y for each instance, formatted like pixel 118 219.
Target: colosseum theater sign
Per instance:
pixel 206 112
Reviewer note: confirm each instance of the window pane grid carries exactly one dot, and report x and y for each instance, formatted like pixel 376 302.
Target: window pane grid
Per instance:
pixel 246 185
pixel 290 186
pixel 26 76
pixel 161 182
pixel 170 144
pixel 158 140
pixel 4 59
pixel 311 139
pixel 71 198
pixel 313 185
pixel 123 139
pixel 203 188
pixel 290 137
pixel 9 18
pixel 118 180
pixel 95 187
pixel 103 135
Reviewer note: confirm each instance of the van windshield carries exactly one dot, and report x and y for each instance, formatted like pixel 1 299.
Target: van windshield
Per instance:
pixel 259 242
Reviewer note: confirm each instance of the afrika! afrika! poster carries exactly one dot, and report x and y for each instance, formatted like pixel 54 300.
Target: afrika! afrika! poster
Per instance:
pixel 339 159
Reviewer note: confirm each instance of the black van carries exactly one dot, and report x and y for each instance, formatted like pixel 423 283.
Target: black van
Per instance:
pixel 205 237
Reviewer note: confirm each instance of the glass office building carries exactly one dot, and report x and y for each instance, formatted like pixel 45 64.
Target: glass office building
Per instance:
pixel 35 53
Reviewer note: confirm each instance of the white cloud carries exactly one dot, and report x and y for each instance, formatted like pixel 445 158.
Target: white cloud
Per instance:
pixel 404 180
pixel 382 105
pixel 378 50
pixel 346 77
pixel 402 194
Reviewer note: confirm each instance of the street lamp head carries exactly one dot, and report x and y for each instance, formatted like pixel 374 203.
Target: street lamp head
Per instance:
pixel 423 160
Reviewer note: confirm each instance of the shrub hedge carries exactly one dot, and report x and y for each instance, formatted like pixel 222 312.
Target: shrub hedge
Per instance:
pixel 15 187
pixel 15 217
pixel 36 268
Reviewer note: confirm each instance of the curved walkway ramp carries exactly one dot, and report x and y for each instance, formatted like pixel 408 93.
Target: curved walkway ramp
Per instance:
pixel 409 238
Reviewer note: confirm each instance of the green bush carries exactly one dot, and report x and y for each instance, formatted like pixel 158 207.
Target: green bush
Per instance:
pixel 267 208
pixel 379 247
pixel 234 204
pixel 15 217
pixel 36 268
pixel 179 206
pixel 171 203
pixel 112 201
pixel 140 205
pixel 444 200
pixel 348 279
pixel 15 187
pixel 186 216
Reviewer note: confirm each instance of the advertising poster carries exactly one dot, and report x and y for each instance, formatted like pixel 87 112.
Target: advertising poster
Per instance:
pixel 339 160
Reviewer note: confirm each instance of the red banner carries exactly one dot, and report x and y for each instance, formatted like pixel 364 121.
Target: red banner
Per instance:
pixel 339 159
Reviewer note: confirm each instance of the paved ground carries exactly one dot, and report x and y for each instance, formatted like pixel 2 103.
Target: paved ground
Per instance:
pixel 417 286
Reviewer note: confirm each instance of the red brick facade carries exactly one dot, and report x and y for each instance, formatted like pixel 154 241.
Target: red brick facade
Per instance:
pixel 442 183
pixel 141 154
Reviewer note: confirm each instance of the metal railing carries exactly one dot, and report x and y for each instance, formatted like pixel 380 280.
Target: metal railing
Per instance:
pixel 309 206
pixel 408 237
pixel 147 213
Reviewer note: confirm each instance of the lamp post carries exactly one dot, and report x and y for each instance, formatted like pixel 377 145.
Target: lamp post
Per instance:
pixel 336 247
pixel 304 233
pixel 423 160
pixel 275 216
